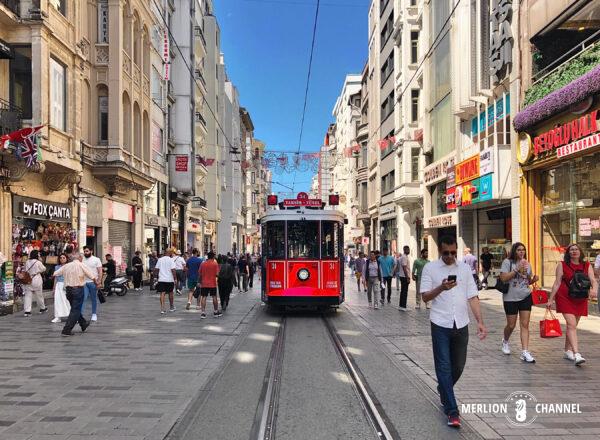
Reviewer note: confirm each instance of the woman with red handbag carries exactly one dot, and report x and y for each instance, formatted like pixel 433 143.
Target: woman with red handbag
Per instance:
pixel 516 272
pixel 574 283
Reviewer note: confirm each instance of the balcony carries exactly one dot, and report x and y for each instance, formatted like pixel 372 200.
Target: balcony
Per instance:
pixel 199 76
pixel 10 117
pixel 362 133
pixel 199 204
pixel 408 194
pixel 119 170
pixel 11 5
pixel 199 42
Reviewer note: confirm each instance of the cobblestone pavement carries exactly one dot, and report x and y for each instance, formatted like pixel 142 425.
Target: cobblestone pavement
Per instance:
pixel 490 376
pixel 129 377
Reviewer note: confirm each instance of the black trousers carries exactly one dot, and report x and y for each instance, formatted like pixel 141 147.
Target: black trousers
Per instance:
pixel 404 282
pixel 225 288
pixel 75 296
pixel 107 281
pixel 388 286
pixel 137 279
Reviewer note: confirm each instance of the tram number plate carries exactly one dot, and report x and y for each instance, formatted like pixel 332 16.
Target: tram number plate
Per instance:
pixel 331 285
pixel 275 285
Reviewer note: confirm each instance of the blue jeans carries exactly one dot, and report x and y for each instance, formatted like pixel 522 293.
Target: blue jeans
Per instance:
pixel 449 355
pixel 90 290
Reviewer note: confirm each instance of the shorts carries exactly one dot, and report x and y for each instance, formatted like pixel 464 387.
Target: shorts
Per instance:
pixel 206 291
pixel 163 287
pixel 192 284
pixel 514 307
pixel 358 275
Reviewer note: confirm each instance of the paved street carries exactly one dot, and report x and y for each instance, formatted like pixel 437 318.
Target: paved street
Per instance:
pixel 136 373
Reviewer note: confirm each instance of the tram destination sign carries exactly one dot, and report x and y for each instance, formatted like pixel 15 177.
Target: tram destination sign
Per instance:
pixel 303 200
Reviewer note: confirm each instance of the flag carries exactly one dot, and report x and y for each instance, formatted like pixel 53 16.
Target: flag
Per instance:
pixel 383 143
pixel 29 151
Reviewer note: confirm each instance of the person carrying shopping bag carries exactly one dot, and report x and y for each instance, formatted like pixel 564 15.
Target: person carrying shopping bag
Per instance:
pixel 34 269
pixel 62 308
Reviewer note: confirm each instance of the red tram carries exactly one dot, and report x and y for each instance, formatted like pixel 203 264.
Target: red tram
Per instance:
pixel 303 254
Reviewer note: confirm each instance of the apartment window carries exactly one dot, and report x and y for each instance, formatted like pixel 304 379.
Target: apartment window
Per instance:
pixel 364 155
pixel 20 79
pixel 387 108
pixel 103 21
pixel 413 2
pixel 364 202
pixel 414 164
pixel 253 198
pixel 103 118
pixel 414 47
pixel 57 95
pixel 59 5
pixel 390 145
pixel 388 182
pixel 253 179
pixel 387 30
pixel 387 69
pixel 254 219
pixel 414 105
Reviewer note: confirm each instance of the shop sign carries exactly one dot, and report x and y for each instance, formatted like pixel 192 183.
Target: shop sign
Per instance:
pixel 467 169
pixel 32 208
pixel 441 221
pixel 501 43
pixel 437 171
pixel 577 146
pixel 119 211
pixel 470 193
pixel 89 231
pixel 451 177
pixel 495 112
pixel 303 200
pixel 181 163
pixel 566 134
pixel 209 228
pixel 486 162
pixel 152 220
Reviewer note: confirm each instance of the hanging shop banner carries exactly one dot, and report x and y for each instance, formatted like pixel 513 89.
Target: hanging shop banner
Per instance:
pixel 486 162
pixel 501 44
pixel 467 169
pixel 451 177
pixel 499 110
pixel 181 162
pixel 470 193
pixel 40 209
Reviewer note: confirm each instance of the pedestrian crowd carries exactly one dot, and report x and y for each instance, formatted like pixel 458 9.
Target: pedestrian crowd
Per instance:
pixel 450 287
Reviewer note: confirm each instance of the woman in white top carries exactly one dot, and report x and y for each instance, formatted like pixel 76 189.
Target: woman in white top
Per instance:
pixel 62 308
pixel 34 268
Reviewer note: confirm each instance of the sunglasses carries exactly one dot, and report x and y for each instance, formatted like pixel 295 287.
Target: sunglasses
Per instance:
pixel 448 253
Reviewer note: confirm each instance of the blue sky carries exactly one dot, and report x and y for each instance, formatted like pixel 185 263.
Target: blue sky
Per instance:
pixel 267 45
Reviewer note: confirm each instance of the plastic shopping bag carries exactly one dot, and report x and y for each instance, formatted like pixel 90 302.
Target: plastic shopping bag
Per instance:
pixel 550 328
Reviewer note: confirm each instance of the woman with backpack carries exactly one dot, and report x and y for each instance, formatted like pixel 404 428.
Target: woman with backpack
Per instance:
pixel 226 280
pixel 31 278
pixel 574 284
pixel 516 272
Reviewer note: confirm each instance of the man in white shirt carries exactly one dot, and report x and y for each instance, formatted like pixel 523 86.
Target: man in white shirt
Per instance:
pixel 404 274
pixel 165 270
pixel 90 288
pixel 179 271
pixel 451 287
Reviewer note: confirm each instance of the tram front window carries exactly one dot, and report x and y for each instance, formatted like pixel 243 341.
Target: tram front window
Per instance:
pixel 330 239
pixel 274 234
pixel 303 239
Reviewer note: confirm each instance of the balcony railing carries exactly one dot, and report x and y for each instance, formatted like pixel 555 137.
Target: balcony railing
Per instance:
pixel 13 5
pixel 200 118
pixel 10 117
pixel 198 33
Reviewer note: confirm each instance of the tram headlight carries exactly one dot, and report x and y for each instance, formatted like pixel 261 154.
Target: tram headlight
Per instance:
pixel 303 274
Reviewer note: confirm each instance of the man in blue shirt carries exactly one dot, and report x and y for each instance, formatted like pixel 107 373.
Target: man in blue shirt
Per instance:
pixel 387 263
pixel 193 267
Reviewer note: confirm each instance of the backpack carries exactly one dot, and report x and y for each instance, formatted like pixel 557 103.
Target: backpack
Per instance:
pixel 580 285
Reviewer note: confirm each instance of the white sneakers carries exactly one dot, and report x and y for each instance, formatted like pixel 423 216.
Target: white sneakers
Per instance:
pixel 569 355
pixel 574 357
pixel 505 347
pixel 56 320
pixel 579 359
pixel 94 317
pixel 526 356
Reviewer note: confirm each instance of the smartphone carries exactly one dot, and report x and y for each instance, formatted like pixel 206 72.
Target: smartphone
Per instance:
pixel 451 278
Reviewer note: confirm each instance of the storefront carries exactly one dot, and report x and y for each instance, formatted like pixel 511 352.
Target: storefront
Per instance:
pixel 120 244
pixel 43 226
pixel 156 220
pixel 177 226
pixel 209 230
pixel 194 234
pixel 560 191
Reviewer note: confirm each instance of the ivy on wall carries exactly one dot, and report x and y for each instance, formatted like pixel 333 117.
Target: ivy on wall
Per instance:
pixel 564 75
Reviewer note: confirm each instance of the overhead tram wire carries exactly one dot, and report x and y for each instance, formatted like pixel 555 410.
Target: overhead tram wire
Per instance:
pixel 172 38
pixel 312 50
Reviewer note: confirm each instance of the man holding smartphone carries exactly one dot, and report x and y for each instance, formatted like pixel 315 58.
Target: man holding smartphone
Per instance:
pixel 451 287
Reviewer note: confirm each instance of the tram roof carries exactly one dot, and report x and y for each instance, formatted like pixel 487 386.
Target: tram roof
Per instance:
pixel 308 214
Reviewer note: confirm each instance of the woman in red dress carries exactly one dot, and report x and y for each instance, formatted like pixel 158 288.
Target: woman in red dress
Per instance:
pixel 572 309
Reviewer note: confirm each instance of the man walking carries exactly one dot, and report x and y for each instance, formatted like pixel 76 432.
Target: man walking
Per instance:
pixel 152 259
pixel 387 263
pixel 90 289
pixel 138 270
pixel 417 270
pixel 372 275
pixel 243 273
pixel 404 271
pixel 111 273
pixel 165 270
pixel 179 271
pixel 208 278
pixel 75 275
pixel 193 267
pixel 451 286
pixel 471 260
pixel 251 269
pixel 359 267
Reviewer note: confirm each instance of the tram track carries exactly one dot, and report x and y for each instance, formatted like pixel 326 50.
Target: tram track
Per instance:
pixel 265 424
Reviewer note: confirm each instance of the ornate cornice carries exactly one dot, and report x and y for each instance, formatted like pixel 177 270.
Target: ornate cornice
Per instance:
pixel 59 181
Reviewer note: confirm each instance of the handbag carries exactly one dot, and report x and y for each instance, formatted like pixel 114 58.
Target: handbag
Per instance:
pixel 550 328
pixel 579 287
pixel 539 296
pixel 101 297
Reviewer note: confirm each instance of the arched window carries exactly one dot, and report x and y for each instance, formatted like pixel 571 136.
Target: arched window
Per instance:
pixel 126 31
pixel 102 92
pixel 136 41
pixel 146 47
pixel 85 111
pixel 146 137
pixel 137 130
pixel 126 123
